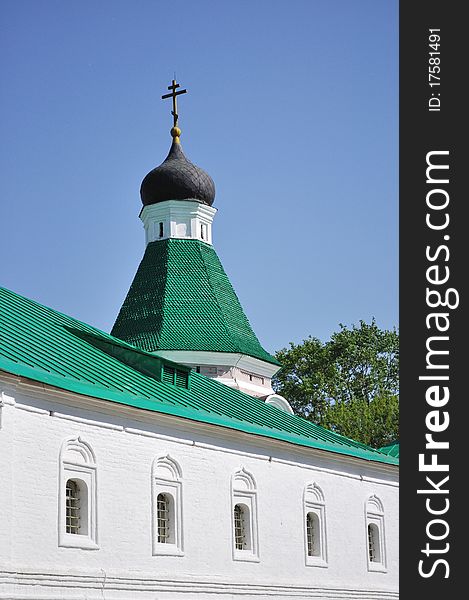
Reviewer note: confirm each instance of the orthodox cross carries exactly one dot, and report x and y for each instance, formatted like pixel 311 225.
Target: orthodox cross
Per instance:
pixel 173 94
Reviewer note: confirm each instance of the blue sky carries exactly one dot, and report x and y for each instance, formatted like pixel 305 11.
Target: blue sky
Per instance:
pixel 292 107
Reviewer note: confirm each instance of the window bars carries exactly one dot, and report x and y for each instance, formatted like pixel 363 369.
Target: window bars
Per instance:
pixel 310 533
pixel 372 549
pixel 239 528
pixel 162 509
pixel 72 507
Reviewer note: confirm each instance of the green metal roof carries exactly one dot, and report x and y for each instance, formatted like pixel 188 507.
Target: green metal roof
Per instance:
pixel 44 345
pixel 391 449
pixel 182 299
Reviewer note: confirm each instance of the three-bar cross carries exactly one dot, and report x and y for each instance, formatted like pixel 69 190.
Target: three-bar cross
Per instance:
pixel 173 94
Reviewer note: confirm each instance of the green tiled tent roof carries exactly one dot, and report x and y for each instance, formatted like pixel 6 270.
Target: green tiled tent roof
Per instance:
pixel 43 345
pixel 391 449
pixel 182 299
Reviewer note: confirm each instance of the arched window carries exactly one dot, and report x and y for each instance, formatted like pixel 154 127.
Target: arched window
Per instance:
pixel 75 498
pixel 204 232
pixel 315 526
pixel 313 534
pixel 77 495
pixel 241 527
pixel 376 554
pixel 165 518
pixel 167 507
pixel 244 515
pixel 373 543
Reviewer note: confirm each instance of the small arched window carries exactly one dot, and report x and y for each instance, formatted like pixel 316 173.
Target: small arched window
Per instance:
pixel 373 543
pixel 77 495
pixel 244 515
pixel 203 232
pixel 315 526
pixel 165 520
pixel 313 534
pixel 167 507
pixel 73 506
pixel 375 534
pixel 241 527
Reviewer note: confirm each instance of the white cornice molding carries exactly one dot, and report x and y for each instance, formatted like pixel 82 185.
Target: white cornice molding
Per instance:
pixel 375 471
pixel 6 399
pixel 229 359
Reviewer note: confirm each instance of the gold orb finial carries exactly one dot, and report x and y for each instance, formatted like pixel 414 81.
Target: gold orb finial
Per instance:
pixel 175 134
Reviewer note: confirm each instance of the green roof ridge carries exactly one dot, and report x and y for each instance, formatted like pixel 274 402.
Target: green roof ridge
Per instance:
pixel 182 299
pixel 391 449
pixel 39 343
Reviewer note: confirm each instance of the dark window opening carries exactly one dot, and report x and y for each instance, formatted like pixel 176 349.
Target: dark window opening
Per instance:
pixel 163 518
pixel 72 507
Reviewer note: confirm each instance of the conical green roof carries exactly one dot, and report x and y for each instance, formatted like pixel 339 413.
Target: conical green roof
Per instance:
pixel 182 299
pixel 42 345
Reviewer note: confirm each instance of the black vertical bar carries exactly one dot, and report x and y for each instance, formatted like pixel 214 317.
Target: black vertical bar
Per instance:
pixel 432 119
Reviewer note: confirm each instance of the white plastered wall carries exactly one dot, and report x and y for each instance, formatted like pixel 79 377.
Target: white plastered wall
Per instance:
pixel 125 441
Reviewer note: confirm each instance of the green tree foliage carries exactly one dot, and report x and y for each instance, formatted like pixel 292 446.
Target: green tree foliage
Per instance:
pixel 349 384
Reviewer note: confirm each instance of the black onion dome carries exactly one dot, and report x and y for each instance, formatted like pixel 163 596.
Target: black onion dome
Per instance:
pixel 177 179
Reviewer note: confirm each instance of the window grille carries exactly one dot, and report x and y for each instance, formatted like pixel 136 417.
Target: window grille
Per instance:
pixel 72 507
pixel 372 544
pixel 239 528
pixel 162 508
pixel 310 533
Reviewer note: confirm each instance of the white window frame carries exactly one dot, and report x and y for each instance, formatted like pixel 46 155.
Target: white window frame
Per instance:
pixel 166 478
pixel 243 491
pixel 204 231
pixel 77 461
pixel 156 229
pixel 314 502
pixel 374 515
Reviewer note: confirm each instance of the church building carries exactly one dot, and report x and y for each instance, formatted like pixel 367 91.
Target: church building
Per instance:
pixel 157 462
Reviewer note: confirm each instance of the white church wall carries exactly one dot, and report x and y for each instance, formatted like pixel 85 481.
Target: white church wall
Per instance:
pixel 126 443
pixel 7 418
